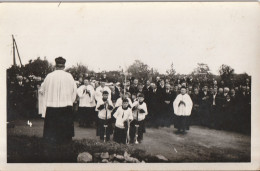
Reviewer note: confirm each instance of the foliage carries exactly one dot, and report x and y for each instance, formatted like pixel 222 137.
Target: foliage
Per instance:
pixel 171 72
pixel 226 72
pixel 201 69
pixel 139 70
pixel 38 67
pixel 202 72
pixel 78 71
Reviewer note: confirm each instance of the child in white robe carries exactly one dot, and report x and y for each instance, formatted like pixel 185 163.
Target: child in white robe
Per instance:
pixel 123 116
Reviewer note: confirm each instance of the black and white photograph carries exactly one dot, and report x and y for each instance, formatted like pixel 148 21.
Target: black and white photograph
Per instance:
pixel 101 84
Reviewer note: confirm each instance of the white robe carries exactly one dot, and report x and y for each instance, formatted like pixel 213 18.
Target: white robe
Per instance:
pixel 59 89
pixel 86 100
pixel 182 110
pixel 41 102
pixel 99 93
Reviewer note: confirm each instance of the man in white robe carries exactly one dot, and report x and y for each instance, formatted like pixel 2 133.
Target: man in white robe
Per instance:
pixel 60 91
pixel 182 108
pixel 87 104
pixel 101 89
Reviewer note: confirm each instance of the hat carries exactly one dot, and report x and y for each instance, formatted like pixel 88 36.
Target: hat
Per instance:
pixel 60 61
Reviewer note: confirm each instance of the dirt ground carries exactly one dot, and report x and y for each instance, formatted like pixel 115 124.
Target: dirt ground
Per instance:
pixel 200 144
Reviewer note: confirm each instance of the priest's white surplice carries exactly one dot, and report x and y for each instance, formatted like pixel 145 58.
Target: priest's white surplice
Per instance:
pixel 181 109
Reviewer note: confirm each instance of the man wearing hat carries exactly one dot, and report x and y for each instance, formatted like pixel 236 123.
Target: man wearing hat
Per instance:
pixel 60 90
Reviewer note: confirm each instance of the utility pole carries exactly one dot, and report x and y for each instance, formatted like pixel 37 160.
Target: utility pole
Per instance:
pixel 14 62
pixel 16 47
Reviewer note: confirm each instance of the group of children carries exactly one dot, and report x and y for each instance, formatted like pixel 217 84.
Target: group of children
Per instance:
pixel 125 116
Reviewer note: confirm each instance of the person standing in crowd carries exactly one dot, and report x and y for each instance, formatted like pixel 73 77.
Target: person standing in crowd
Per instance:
pixel 127 86
pixel 114 94
pixel 222 84
pixel 139 114
pixel 19 91
pixel 195 118
pixel 182 109
pixel 140 89
pixel 134 97
pixel 80 81
pixel 205 106
pixel 87 104
pixel 118 86
pixel 227 113
pixel 101 89
pixel 134 87
pixel 154 106
pixel 123 95
pixel 160 93
pixel 214 107
pixel 157 81
pixel 244 108
pixel 176 89
pixel 167 99
pixel 60 92
pixel 123 116
pixel 146 91
pixel 104 107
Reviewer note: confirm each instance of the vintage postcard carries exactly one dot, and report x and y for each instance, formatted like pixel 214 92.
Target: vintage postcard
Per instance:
pixel 130 86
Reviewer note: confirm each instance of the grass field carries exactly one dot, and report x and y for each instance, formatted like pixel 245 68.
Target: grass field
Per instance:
pixel 200 144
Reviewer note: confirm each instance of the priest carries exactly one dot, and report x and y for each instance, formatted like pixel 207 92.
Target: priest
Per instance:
pixel 59 90
pixel 182 109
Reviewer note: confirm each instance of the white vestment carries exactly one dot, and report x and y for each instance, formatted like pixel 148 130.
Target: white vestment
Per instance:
pixel 59 89
pixel 41 102
pixel 181 109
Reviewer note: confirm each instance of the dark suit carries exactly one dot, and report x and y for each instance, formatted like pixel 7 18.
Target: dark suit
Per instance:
pixel 195 119
pixel 154 107
pixel 204 102
pixel 19 94
pixel 167 109
pixel 133 89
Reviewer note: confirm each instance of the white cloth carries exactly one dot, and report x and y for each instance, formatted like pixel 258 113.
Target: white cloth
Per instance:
pixel 182 110
pixel 141 116
pixel 99 92
pixel 119 102
pixel 41 102
pixel 122 115
pixel 102 113
pixel 214 99
pixel 86 100
pixel 59 89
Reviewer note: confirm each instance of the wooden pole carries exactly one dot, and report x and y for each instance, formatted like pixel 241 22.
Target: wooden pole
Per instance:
pixel 18 53
pixel 14 62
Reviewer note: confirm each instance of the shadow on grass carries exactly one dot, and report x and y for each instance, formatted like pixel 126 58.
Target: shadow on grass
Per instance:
pixel 24 149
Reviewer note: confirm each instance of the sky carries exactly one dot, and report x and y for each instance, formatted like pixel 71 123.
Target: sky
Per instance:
pixel 104 36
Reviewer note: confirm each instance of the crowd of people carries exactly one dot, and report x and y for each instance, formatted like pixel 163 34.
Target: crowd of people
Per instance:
pixel 155 103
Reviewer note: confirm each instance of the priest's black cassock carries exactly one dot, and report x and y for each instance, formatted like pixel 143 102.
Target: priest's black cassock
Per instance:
pixel 59 90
